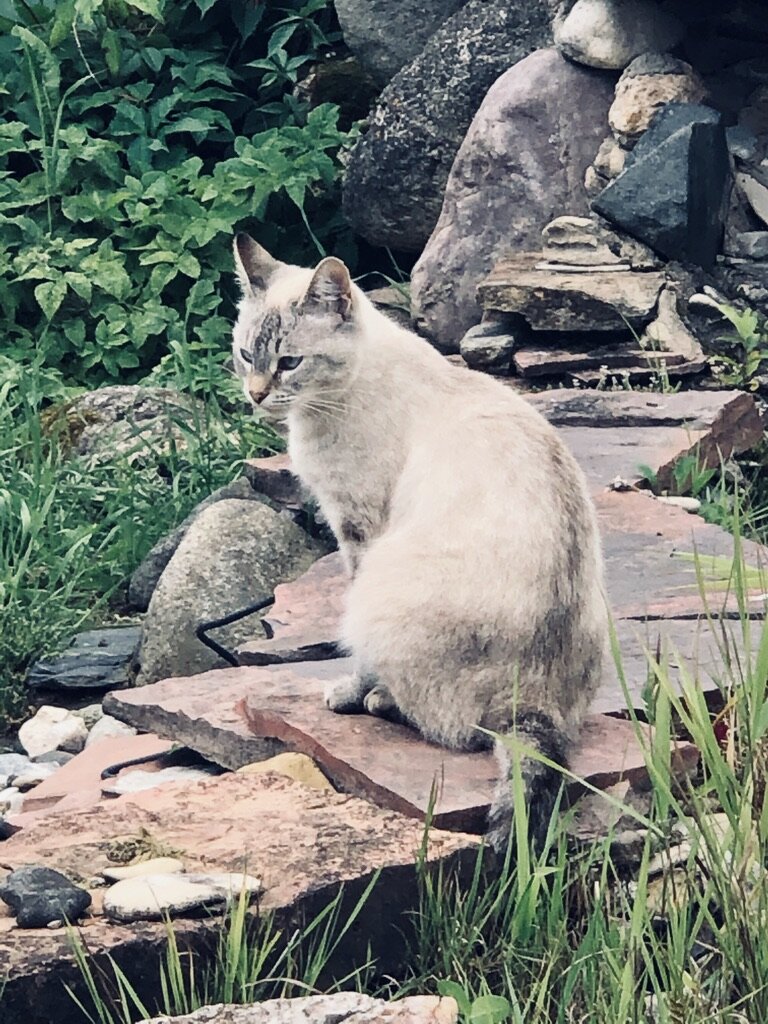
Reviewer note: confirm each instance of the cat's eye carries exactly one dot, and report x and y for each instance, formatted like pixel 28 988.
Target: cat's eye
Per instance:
pixel 246 356
pixel 288 362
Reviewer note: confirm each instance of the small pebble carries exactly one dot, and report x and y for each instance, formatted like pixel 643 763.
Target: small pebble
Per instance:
pixel 691 505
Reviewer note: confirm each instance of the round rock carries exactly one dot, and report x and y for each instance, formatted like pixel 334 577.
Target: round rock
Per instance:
pixel 53 728
pixel 233 555
pixel 609 33
pixel 521 164
pixel 396 173
pixel 10 766
pixel 155 866
pixel 39 895
pixel 108 727
pixel 648 83
pixel 137 780
pixel 151 897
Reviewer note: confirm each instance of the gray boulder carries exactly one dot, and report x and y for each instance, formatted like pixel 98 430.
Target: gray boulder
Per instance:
pixel 145 577
pixel 521 164
pixel 385 35
pixel 128 420
pixel 233 554
pixel 397 171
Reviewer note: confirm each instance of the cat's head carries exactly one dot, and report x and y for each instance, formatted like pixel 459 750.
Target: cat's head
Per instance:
pixel 296 336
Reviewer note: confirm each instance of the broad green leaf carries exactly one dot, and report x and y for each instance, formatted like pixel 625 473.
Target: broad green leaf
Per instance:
pixel 189 265
pixel 154 8
pixel 490 1010
pixel 43 60
pixel 50 296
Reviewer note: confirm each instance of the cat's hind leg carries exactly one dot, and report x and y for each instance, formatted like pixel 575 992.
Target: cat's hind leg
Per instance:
pixel 380 703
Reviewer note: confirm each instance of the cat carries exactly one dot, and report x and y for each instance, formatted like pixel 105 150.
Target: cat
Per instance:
pixel 476 601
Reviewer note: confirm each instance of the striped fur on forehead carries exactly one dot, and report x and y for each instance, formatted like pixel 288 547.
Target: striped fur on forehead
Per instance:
pixel 269 333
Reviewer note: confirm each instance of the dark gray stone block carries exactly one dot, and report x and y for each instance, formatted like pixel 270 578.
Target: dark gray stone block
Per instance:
pixel 98 659
pixel 40 895
pixel 672 196
pixel 668 120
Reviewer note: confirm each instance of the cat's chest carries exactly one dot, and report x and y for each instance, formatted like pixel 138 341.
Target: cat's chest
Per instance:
pixel 335 469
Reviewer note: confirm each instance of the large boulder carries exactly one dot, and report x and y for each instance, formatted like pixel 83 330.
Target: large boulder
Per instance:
pixel 396 173
pixel 521 164
pixel 234 554
pixel 147 574
pixel 385 35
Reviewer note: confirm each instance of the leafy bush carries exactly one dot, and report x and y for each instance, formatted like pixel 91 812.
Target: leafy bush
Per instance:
pixel 137 136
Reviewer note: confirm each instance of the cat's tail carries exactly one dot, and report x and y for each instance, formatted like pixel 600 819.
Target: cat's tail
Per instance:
pixel 541 782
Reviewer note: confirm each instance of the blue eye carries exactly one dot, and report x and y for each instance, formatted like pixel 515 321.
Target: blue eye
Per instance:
pixel 246 356
pixel 288 362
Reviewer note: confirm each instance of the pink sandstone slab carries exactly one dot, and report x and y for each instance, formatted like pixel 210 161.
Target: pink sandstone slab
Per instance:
pixel 80 778
pixel 234 715
pixel 303 845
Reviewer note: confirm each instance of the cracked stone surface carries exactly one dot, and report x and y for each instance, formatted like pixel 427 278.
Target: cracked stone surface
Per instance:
pixel 303 845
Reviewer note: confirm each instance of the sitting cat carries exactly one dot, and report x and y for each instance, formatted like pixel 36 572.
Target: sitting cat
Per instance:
pixel 476 600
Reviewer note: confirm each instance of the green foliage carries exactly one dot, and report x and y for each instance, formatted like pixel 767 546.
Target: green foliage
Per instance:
pixel 253 960
pixel 137 137
pixel 72 530
pixel 747 355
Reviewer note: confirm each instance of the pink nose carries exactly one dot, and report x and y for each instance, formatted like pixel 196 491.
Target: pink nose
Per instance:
pixel 257 396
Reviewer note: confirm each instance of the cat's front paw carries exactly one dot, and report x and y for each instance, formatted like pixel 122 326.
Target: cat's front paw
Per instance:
pixel 345 696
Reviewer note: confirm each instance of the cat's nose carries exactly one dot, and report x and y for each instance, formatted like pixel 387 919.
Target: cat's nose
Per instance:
pixel 258 387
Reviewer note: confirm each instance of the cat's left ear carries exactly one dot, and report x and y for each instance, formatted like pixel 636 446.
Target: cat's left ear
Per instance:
pixel 330 290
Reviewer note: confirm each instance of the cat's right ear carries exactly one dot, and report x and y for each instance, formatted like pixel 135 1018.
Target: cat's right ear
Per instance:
pixel 253 264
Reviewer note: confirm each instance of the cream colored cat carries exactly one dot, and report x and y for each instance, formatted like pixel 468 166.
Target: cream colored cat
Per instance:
pixel 476 601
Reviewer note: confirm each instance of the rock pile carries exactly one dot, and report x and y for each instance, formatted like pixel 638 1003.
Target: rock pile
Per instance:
pixel 652 114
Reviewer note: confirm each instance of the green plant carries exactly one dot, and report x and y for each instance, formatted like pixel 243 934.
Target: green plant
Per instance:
pixel 253 960
pixel 747 354
pixel 137 137
pixel 72 531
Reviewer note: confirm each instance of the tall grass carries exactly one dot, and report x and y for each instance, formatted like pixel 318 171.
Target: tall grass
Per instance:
pixel 72 531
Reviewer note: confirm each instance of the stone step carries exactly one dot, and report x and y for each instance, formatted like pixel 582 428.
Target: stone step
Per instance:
pixel 303 845
pixel 234 716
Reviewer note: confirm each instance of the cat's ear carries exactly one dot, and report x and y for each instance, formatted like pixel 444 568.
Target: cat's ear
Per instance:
pixel 253 264
pixel 330 290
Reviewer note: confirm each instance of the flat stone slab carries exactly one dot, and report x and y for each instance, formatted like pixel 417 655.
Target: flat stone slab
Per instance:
pixel 96 659
pixel 302 844
pixel 560 300
pixel 301 624
pixel 536 361
pixel 234 715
